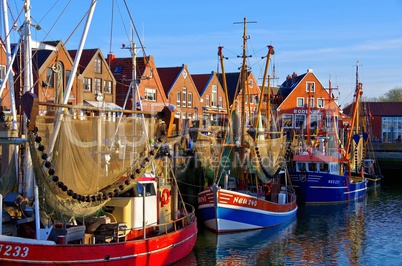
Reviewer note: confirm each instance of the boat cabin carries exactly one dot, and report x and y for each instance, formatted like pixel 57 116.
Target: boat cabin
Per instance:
pixel 318 167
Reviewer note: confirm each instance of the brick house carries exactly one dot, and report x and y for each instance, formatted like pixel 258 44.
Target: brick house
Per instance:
pixel 304 94
pixel 96 85
pixel 212 98
pixel 153 97
pixel 51 70
pixel 181 93
pixel 235 94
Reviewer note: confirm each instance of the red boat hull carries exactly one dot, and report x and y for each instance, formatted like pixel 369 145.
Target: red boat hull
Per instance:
pixel 160 250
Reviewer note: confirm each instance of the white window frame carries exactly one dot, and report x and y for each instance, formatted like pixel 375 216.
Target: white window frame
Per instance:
pixel 97 86
pixel 312 87
pixel 285 117
pixel 297 119
pixel 207 101
pixel 150 94
pixel 320 102
pixel 189 100
pixel 98 65
pixel 214 95
pixel 178 100
pixel 184 100
pixel 298 104
pixel 88 84
pixel 107 86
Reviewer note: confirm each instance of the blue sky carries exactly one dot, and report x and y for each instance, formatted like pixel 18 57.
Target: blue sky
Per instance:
pixel 326 36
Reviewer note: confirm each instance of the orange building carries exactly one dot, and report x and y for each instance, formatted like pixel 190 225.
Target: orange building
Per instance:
pixel 305 104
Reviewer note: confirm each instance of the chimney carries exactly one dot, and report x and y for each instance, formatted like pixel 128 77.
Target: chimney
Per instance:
pixel 110 58
pixel 294 76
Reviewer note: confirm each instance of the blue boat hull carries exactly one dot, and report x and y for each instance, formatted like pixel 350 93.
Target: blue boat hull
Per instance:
pixel 230 211
pixel 316 188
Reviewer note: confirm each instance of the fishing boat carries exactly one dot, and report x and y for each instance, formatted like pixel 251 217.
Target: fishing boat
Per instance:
pixel 87 189
pixel 361 151
pixel 246 193
pixel 320 168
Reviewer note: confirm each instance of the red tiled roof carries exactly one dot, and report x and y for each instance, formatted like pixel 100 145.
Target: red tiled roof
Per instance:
pixel 379 108
pixel 86 57
pixel 168 75
pixel 200 81
pixel 125 65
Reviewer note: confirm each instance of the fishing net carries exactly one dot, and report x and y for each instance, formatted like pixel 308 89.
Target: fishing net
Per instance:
pixel 94 158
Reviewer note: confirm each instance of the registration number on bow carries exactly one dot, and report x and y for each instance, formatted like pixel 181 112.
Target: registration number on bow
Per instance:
pixel 14 251
pixel 245 201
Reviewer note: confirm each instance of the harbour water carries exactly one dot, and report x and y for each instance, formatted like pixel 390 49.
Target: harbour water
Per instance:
pixel 367 232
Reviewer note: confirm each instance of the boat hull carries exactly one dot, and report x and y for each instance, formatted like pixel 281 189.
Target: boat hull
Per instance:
pixel 317 188
pixel 230 211
pixel 160 250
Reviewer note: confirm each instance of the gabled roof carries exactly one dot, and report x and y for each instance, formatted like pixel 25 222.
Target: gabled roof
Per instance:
pixel 289 84
pixel 86 57
pixel 379 108
pixel 201 81
pixel 232 79
pixel 39 56
pixel 122 67
pixel 168 75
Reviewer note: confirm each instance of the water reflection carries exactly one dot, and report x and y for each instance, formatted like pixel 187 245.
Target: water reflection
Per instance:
pixel 328 234
pixel 245 248
pixel 367 232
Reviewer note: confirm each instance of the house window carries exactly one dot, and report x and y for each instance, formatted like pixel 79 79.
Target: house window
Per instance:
pixel 287 121
pixel 207 100
pixel 107 86
pixel 250 83
pixel 150 94
pixel 190 100
pixel 311 102
pixel 214 95
pixel 300 102
pixel 310 87
pixel 184 100
pixel 49 77
pixel 299 120
pixel 221 101
pixel 87 84
pixel 97 86
pixel 68 74
pixel 314 123
pixel 320 103
pixel 98 65
pixel 2 73
pixel 178 99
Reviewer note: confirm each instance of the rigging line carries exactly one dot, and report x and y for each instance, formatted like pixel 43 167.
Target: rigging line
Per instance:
pixel 122 21
pixel 47 13
pixel 54 24
pixel 111 28
pixel 84 16
pixel 14 23
pixel 135 29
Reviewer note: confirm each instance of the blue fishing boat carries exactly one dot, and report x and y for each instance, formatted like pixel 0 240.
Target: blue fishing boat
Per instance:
pixel 322 171
pixel 247 194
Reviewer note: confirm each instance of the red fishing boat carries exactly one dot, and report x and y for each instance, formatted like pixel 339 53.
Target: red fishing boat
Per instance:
pixel 85 190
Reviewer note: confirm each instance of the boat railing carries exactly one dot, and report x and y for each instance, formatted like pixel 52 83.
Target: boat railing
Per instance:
pixel 186 217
